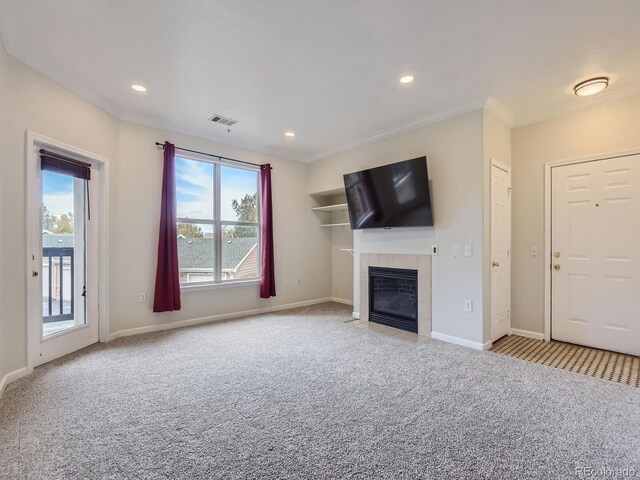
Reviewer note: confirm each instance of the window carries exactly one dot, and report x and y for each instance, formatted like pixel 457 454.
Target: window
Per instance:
pixel 218 221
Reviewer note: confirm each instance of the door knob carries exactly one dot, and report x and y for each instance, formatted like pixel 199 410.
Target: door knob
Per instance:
pixel 556 254
pixel 495 263
pixel 34 273
pixel 556 266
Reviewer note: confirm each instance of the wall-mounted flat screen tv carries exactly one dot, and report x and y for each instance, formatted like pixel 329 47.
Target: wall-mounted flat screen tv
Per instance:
pixel 395 195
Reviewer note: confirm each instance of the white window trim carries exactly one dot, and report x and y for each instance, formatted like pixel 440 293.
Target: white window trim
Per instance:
pixel 196 286
pixel 218 224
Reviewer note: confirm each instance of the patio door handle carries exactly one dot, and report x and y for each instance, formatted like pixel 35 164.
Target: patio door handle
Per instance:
pixel 34 273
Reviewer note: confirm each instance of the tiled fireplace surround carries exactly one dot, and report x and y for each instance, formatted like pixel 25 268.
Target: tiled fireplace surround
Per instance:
pixel 421 263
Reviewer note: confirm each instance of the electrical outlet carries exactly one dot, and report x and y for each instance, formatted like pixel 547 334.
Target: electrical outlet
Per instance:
pixel 468 250
pixel 143 297
pixel 286 283
pixel 299 282
pixel 533 250
pixel 468 306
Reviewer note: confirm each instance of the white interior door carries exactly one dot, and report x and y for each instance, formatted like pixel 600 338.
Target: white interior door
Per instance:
pixel 595 240
pixel 500 255
pixel 68 266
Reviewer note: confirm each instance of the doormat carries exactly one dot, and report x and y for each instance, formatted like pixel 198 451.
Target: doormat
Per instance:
pixel 616 367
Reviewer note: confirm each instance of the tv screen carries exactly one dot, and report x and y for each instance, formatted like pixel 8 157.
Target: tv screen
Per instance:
pixel 395 195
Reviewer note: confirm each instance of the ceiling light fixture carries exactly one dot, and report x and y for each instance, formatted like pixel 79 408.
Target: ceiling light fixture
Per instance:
pixel 406 79
pixel 139 88
pixel 591 86
pixel 290 133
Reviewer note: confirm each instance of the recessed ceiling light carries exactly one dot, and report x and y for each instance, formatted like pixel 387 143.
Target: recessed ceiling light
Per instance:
pixel 139 88
pixel 406 79
pixel 591 86
pixel 290 133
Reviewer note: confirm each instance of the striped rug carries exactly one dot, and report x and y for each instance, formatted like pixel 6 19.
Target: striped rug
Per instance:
pixel 616 367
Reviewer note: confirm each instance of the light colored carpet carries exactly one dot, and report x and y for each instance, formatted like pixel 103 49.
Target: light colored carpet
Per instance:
pixel 616 367
pixel 299 394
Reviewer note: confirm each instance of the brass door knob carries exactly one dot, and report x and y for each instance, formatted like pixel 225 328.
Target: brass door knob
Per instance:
pixel 556 266
pixel 495 263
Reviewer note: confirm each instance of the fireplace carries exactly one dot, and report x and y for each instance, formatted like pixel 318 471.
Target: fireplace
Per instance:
pixel 393 297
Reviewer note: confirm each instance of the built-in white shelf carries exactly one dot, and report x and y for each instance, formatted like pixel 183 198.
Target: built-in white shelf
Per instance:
pixel 331 208
pixel 335 225
pixel 348 250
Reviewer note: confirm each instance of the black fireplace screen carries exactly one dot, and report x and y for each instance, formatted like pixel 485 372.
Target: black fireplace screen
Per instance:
pixel 393 297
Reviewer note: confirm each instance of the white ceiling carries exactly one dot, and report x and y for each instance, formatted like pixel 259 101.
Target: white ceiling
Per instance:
pixel 327 69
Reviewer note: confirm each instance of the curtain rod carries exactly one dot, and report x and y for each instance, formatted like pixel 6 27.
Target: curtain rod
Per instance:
pixel 161 145
pixel 62 157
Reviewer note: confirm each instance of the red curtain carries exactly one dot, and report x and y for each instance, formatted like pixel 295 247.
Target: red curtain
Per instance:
pixel 167 292
pixel 268 280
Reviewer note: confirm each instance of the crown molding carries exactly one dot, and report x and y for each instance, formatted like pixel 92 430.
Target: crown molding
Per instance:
pixel 501 111
pixel 584 103
pixel 401 128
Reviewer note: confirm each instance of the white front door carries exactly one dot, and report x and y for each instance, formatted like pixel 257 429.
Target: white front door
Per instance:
pixel 500 256
pixel 595 256
pixel 68 269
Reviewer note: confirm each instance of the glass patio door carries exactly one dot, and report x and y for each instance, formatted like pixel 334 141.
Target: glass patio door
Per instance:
pixel 68 307
pixel 64 234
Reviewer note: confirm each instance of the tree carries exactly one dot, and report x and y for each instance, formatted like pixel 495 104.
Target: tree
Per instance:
pixel 246 211
pixel 64 224
pixel 55 224
pixel 48 220
pixel 190 230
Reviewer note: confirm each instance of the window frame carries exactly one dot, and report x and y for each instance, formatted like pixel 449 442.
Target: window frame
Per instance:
pixel 218 223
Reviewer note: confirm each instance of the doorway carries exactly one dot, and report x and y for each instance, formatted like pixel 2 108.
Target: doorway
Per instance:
pixel 594 260
pixel 65 240
pixel 500 250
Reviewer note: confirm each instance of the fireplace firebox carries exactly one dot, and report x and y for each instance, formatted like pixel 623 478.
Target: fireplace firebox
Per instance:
pixel 393 297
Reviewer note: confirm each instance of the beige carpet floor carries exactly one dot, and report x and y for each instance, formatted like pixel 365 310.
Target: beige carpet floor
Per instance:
pixel 616 367
pixel 299 394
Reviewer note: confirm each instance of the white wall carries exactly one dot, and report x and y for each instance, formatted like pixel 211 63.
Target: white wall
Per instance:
pixel 4 85
pixel 596 131
pixel 454 149
pixel 39 104
pixel 496 138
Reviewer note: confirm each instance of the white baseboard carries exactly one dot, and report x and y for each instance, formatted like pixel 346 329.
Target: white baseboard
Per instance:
pixel 356 315
pixel 342 300
pixel 214 318
pixel 12 377
pixel 526 333
pixel 461 341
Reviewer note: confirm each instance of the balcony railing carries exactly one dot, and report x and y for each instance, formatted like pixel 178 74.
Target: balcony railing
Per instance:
pixel 58 293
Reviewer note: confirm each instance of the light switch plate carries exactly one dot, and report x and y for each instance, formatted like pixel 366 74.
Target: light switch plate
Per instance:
pixel 533 250
pixel 468 250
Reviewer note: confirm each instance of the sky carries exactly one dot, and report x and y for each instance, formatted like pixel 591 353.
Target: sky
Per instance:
pixel 194 188
pixel 57 192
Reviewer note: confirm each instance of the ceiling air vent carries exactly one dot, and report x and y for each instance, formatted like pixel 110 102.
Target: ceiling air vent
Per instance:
pixel 228 122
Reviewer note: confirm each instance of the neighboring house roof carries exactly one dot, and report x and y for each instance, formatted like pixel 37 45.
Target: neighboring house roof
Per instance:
pixel 192 252
pixel 61 240
pixel 199 252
